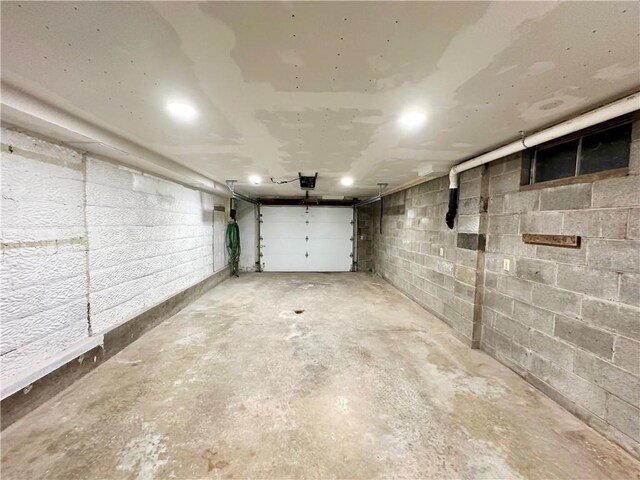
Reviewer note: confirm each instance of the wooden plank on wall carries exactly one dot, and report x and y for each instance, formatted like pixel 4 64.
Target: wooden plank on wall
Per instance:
pixel 567 241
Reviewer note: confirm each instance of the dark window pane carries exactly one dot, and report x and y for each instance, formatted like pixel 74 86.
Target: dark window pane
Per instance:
pixel 558 161
pixel 606 150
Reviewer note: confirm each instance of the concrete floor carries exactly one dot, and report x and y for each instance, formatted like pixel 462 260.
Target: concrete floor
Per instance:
pixel 363 383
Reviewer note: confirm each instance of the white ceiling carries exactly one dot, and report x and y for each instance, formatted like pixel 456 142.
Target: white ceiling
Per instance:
pixel 283 87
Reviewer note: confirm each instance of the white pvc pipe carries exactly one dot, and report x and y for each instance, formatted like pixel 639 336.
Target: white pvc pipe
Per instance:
pixel 22 102
pixel 618 108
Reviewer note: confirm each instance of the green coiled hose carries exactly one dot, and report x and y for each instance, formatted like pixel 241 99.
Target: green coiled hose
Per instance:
pixel 233 247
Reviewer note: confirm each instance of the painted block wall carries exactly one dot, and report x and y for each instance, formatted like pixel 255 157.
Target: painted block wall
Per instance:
pixel 220 256
pixel 88 244
pixel 566 320
pixel 148 239
pixel 247 223
pixel 43 281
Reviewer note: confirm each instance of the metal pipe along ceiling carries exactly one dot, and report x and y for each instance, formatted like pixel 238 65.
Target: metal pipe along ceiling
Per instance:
pixel 616 109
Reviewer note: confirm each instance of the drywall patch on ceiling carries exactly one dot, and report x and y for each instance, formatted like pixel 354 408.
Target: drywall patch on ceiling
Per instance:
pixel 616 72
pixel 538 68
pixel 481 71
pixel 462 145
pixel 316 140
pixel 341 45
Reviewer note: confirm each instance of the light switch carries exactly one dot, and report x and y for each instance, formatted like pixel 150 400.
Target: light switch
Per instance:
pixel 441 251
pixel 506 264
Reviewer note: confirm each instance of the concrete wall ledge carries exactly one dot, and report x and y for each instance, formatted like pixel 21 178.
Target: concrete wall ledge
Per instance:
pixel 33 389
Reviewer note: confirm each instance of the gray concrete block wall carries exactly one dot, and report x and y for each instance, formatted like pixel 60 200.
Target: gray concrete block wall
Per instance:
pixel 568 320
pixel 419 255
pixel 364 239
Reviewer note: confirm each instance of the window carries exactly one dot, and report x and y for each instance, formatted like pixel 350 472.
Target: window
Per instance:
pixel 554 162
pixel 590 153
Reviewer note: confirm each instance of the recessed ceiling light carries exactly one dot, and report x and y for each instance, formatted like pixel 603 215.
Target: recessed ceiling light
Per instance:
pixel 255 179
pixel 413 119
pixel 347 181
pixel 182 111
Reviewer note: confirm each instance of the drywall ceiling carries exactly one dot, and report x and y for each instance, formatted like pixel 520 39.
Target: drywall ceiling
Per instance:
pixel 319 86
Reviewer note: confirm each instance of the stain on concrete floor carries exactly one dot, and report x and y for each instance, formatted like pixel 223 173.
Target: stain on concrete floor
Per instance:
pixel 363 383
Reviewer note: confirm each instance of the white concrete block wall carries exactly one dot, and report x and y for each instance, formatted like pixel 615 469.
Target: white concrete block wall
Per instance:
pixel 79 230
pixel 43 307
pixel 148 239
pixel 248 236
pixel 220 258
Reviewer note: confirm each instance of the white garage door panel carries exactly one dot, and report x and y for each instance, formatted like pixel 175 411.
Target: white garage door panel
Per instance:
pixel 283 214
pixel 280 230
pixel 330 230
pixel 297 239
pixel 291 230
pixel 323 257
pixel 330 214
pixel 284 246
pixel 329 246
pixel 328 264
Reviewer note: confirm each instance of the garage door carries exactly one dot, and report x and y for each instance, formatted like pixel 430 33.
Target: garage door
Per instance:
pixel 306 239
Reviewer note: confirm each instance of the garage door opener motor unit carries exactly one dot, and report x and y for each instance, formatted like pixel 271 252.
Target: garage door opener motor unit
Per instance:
pixel 307 182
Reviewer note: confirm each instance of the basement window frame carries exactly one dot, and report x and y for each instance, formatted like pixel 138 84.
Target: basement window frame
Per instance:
pixel 529 157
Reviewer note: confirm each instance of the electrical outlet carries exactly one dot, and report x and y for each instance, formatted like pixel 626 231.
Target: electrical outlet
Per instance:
pixel 506 264
pixel 441 251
